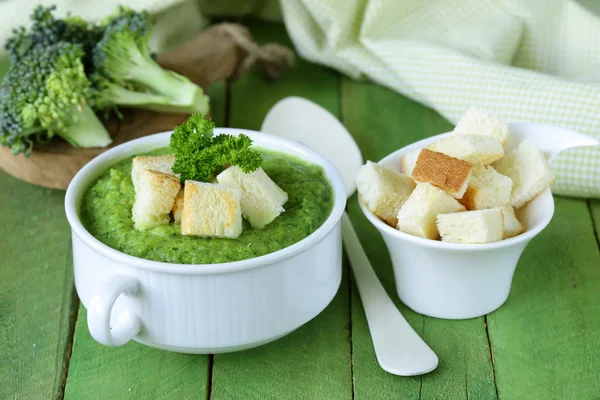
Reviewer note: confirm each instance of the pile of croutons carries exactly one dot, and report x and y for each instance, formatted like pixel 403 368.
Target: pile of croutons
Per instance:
pixel 461 188
pixel 203 209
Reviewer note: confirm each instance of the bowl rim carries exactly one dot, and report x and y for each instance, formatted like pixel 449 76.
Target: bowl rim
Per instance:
pixel 437 244
pixel 99 164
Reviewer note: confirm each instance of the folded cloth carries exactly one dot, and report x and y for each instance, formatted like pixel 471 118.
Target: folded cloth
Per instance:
pixel 524 60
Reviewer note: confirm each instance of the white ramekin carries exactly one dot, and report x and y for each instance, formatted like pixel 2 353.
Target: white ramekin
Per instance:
pixel 459 281
pixel 208 308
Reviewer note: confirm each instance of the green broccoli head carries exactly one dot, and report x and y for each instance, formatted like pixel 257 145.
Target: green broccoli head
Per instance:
pixel 122 57
pixel 123 49
pixel 47 30
pixel 200 156
pixel 45 94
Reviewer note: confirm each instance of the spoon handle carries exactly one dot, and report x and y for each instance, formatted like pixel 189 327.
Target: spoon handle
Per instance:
pixel 398 348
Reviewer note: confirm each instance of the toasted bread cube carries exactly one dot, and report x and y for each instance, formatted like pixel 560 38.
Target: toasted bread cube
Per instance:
pixel 530 171
pixel 487 189
pixel 154 199
pixel 479 122
pixel 262 200
pixel 383 191
pixel 447 173
pixel 474 149
pixel 408 161
pixel 162 164
pixel 480 226
pixel 211 210
pixel 178 207
pixel 512 226
pixel 417 215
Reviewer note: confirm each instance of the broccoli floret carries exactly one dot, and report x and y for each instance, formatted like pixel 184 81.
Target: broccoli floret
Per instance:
pixel 200 156
pixel 129 74
pixel 47 30
pixel 45 94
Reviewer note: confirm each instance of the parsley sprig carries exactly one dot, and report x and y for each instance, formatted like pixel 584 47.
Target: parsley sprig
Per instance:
pixel 200 156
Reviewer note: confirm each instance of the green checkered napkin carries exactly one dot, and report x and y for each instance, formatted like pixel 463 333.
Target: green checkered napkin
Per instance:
pixel 527 60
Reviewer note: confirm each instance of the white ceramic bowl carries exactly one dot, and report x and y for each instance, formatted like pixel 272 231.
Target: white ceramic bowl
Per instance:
pixel 458 281
pixel 209 308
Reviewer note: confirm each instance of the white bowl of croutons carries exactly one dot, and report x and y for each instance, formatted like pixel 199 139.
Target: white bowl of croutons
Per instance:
pixel 194 307
pixel 456 229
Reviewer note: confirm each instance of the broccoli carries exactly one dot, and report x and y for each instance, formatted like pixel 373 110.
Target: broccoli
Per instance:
pixel 47 30
pixel 46 93
pixel 127 75
pixel 200 156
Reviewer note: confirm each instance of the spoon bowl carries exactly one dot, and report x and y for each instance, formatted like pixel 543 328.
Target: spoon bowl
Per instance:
pixel 312 125
pixel 552 140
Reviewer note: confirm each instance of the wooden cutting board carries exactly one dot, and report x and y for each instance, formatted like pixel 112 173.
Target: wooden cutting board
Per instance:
pixel 211 56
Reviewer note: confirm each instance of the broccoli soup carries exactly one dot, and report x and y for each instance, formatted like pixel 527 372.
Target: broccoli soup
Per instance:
pixel 106 212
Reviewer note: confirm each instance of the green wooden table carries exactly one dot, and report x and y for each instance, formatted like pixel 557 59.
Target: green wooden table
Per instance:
pixel 544 343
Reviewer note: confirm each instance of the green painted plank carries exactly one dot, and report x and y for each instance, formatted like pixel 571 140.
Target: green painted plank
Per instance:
pixel 546 339
pixel 36 291
pixel 314 361
pixel 253 95
pixel 135 370
pixel 381 121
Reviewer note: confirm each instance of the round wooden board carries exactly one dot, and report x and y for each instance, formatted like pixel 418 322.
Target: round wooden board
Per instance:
pixel 53 165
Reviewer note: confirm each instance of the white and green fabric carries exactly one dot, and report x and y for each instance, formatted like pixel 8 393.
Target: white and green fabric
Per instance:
pixel 524 60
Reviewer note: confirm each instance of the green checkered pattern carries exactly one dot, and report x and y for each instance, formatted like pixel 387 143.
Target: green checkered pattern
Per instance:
pixel 523 60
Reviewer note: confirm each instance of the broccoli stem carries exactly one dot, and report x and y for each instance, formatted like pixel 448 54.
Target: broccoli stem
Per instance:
pixel 87 131
pixel 129 98
pixel 147 72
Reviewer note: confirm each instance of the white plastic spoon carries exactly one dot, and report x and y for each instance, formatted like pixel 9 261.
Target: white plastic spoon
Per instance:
pixel 552 140
pixel 398 348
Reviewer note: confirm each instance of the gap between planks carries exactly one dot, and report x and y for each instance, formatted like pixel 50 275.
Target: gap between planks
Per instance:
pixel 489 339
pixel 226 114
pixel 340 90
pixel 595 223
pixel 69 311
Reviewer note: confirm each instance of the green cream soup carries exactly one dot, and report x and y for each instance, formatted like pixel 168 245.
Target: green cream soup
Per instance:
pixel 107 203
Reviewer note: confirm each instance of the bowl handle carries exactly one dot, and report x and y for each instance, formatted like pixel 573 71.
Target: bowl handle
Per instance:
pixel 101 304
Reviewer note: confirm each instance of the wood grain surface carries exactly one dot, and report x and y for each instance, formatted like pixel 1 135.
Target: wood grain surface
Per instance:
pixel 36 291
pixel 544 343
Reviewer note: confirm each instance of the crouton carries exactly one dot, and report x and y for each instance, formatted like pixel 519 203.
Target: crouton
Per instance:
pixel 178 207
pixel 479 122
pixel 262 200
pixel 162 164
pixel 487 189
pixel 154 199
pixel 474 149
pixel 383 191
pixel 480 226
pixel 408 161
pixel 512 226
pixel 447 173
pixel 418 214
pixel 211 210
pixel 530 171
